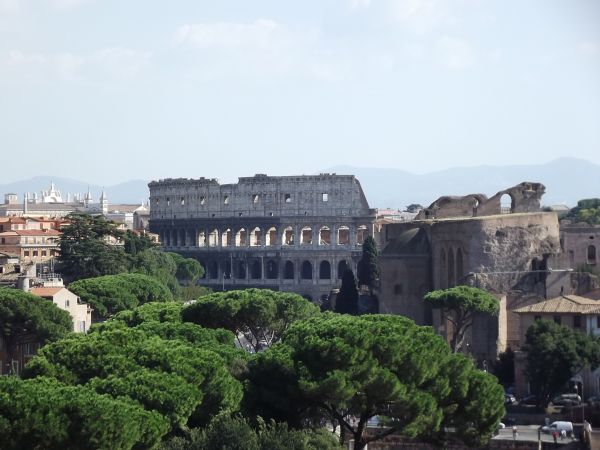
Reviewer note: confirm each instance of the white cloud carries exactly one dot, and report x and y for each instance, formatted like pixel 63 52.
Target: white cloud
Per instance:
pixel 258 34
pixel 455 53
pixel 121 62
pixel 17 58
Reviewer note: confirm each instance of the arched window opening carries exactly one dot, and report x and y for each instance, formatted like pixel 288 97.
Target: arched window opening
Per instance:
pixel 306 271
pixel 271 237
pixel 398 288
pixel 213 238
pixel 361 234
pixel 451 273
pixel 325 270
pixel 255 271
pixel 306 236
pixel 507 204
pixel 341 268
pixel 256 237
pixel 324 236
pixel 240 270
pixel 459 265
pixel 271 270
pixel 343 236
pixel 226 269
pixel 204 272
pixel 288 236
pixel 288 271
pixel 591 254
pixel 202 239
pixel 240 238
pixel 226 238
pixel 213 270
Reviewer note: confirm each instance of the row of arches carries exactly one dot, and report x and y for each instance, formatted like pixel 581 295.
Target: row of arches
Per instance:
pixel 263 237
pixel 451 267
pixel 271 269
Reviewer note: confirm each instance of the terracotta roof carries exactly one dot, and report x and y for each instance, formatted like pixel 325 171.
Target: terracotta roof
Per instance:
pixel 45 291
pixel 45 232
pixel 563 304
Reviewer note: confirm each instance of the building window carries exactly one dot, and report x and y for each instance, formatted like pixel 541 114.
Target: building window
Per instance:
pixel 325 197
pixel 82 326
pixel 537 318
pixel 26 253
pixel 35 253
pixel 168 201
pixel 182 201
pixel 202 199
pixel 597 321
pixel 557 320
pixel 254 198
pixel 226 200
pixel 67 303
pixel 3 240
pixel 576 321
pixel 44 253
pixel 591 254
pixel 288 198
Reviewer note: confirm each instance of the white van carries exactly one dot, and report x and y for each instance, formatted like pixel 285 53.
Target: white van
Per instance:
pixel 559 426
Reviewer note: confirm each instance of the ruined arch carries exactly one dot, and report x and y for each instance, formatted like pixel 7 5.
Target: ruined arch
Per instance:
pixel 341 268
pixel 343 235
pixel 306 271
pixel 324 236
pixel 507 204
pixel 240 238
pixel 288 270
pixel 306 236
pixel 591 254
pixel 443 270
pixel 226 238
pixel 288 236
pixel 459 266
pixel 213 270
pixel 256 237
pixel 271 237
pixel 325 270
pixel 226 269
pixel 255 270
pixel 271 270
pixel 213 238
pixel 240 270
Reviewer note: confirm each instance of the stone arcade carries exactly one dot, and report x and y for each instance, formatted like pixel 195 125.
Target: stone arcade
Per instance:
pixel 291 233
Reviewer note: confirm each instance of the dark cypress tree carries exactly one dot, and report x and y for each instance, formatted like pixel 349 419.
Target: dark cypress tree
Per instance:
pixel 368 268
pixel 347 299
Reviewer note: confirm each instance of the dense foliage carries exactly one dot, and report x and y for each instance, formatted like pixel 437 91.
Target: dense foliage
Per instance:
pixel 555 353
pixel 260 315
pixel 346 301
pixel 110 294
pixel 43 414
pixel 25 317
pixel 368 266
pixel 232 433
pixel 459 305
pixel 349 369
pixel 587 211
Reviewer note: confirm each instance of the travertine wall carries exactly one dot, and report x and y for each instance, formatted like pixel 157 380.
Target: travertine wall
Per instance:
pixel 294 233
pixel 581 244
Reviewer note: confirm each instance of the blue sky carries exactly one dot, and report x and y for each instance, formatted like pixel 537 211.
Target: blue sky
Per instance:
pixel 111 90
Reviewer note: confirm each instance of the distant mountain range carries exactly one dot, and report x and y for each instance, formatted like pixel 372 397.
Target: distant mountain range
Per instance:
pixel 566 179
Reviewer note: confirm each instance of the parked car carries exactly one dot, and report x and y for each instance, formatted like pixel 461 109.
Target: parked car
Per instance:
pixel 530 400
pixel 566 400
pixel 559 426
pixel 509 399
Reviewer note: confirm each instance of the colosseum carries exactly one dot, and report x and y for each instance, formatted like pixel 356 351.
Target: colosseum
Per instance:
pixel 290 233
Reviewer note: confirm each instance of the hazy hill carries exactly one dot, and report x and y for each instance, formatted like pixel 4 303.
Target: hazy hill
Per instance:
pixel 567 180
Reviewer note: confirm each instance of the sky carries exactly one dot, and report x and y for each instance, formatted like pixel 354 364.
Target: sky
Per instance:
pixel 106 91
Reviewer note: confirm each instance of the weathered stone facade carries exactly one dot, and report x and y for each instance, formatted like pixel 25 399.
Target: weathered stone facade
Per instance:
pixel 581 244
pixel 292 233
pixel 472 240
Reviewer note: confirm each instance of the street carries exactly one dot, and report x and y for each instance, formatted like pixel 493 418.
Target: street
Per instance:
pixel 527 433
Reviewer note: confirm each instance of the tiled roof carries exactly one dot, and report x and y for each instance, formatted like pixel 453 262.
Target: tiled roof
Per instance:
pixel 46 291
pixel 563 304
pixel 46 232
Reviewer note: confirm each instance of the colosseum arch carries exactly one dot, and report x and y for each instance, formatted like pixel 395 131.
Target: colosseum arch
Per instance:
pixel 240 270
pixel 288 270
pixel 451 269
pixel 255 270
pixel 256 237
pixel 213 238
pixel 202 239
pixel 271 237
pixel 325 270
pixel 341 268
pixel 443 270
pixel 226 269
pixel 288 236
pixel 271 270
pixel 240 238
pixel 306 271
pixel 325 236
pixel 306 236
pixel 343 235
pixel 226 238
pixel 459 266
pixel 213 270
